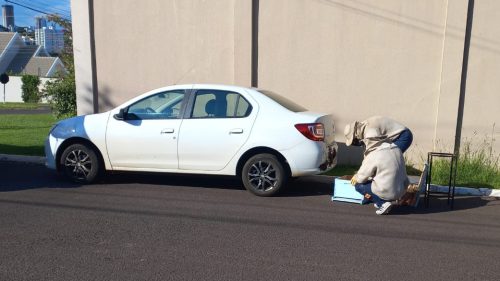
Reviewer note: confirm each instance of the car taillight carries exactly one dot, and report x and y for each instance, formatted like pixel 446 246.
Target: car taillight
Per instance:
pixel 312 131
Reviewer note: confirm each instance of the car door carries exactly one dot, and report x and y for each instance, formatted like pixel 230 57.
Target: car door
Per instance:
pixel 219 124
pixel 146 138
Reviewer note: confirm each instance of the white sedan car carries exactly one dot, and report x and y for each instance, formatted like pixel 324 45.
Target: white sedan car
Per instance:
pixel 198 129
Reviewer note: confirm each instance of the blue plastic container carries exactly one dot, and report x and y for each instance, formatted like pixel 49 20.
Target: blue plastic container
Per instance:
pixel 345 192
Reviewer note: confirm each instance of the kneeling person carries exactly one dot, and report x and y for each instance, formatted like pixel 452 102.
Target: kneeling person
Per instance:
pixel 382 176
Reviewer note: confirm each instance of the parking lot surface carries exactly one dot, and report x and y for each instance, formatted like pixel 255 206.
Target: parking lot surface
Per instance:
pixel 166 227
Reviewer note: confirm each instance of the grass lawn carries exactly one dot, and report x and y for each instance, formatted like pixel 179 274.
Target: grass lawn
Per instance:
pixel 478 165
pixel 20 105
pixel 24 134
pixel 339 171
pixel 472 172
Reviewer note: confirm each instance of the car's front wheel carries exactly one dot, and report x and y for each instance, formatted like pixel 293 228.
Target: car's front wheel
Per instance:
pixel 263 175
pixel 80 163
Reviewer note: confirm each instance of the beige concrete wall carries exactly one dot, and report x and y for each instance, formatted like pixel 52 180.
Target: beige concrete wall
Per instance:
pixel 356 59
pixel 243 43
pixel 142 45
pixel 81 51
pixel 481 117
pixel 351 58
pixel 451 70
pixel 482 101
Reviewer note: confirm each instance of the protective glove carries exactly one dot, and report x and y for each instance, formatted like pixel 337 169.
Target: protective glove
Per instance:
pixel 353 180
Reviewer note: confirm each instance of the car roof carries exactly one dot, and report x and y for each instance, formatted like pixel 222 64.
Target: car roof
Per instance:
pixel 219 87
pixel 192 86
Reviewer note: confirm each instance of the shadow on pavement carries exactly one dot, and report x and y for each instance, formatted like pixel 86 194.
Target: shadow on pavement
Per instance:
pixel 308 186
pixel 440 205
pixel 202 181
pixel 17 176
pixel 21 176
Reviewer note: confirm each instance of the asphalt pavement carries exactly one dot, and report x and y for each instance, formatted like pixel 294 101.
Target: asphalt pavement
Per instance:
pixel 171 227
pixel 44 109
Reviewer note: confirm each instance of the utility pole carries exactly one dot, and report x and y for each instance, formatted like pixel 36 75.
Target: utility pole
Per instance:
pixel 255 44
pixel 463 80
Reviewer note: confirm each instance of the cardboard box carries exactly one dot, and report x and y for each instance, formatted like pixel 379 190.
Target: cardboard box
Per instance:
pixel 345 192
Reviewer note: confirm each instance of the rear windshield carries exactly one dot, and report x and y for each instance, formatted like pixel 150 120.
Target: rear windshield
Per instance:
pixel 286 103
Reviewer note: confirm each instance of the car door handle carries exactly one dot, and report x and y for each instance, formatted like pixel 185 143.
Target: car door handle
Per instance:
pixel 167 131
pixel 236 131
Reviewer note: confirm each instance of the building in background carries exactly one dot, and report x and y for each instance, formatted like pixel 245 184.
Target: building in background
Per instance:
pixel 16 57
pixel 8 17
pixel 51 38
pixel 28 40
pixel 40 22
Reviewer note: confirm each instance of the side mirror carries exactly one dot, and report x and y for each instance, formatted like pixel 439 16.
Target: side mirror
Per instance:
pixel 121 115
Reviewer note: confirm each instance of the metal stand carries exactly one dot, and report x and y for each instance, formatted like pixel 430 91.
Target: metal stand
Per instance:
pixel 453 175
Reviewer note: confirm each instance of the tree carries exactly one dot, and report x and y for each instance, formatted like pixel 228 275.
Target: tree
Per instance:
pixel 67 53
pixel 62 95
pixel 62 91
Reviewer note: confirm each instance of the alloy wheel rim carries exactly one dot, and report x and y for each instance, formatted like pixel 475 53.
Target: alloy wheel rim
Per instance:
pixel 78 162
pixel 262 176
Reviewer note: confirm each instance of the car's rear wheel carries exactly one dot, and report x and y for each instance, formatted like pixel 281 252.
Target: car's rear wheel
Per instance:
pixel 79 162
pixel 263 175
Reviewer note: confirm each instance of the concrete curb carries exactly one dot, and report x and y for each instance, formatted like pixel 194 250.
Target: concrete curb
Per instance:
pixel 467 191
pixel 23 159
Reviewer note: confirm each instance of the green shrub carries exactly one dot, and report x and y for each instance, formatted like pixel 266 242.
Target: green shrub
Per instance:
pixel 478 166
pixel 62 95
pixel 30 90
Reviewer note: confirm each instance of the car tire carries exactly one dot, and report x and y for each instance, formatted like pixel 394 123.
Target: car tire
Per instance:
pixel 263 175
pixel 79 162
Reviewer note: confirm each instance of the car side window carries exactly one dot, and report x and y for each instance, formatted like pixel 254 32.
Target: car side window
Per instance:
pixel 238 106
pixel 220 104
pixel 165 105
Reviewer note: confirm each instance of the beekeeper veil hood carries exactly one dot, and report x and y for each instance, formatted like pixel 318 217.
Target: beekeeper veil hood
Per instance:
pixel 350 133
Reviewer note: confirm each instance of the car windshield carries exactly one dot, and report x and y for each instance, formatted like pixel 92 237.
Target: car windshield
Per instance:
pixel 286 103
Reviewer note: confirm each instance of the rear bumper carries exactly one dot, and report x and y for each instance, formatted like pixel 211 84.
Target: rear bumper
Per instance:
pixel 331 158
pixel 311 158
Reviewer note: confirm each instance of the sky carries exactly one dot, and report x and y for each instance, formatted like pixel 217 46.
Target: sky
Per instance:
pixel 26 17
